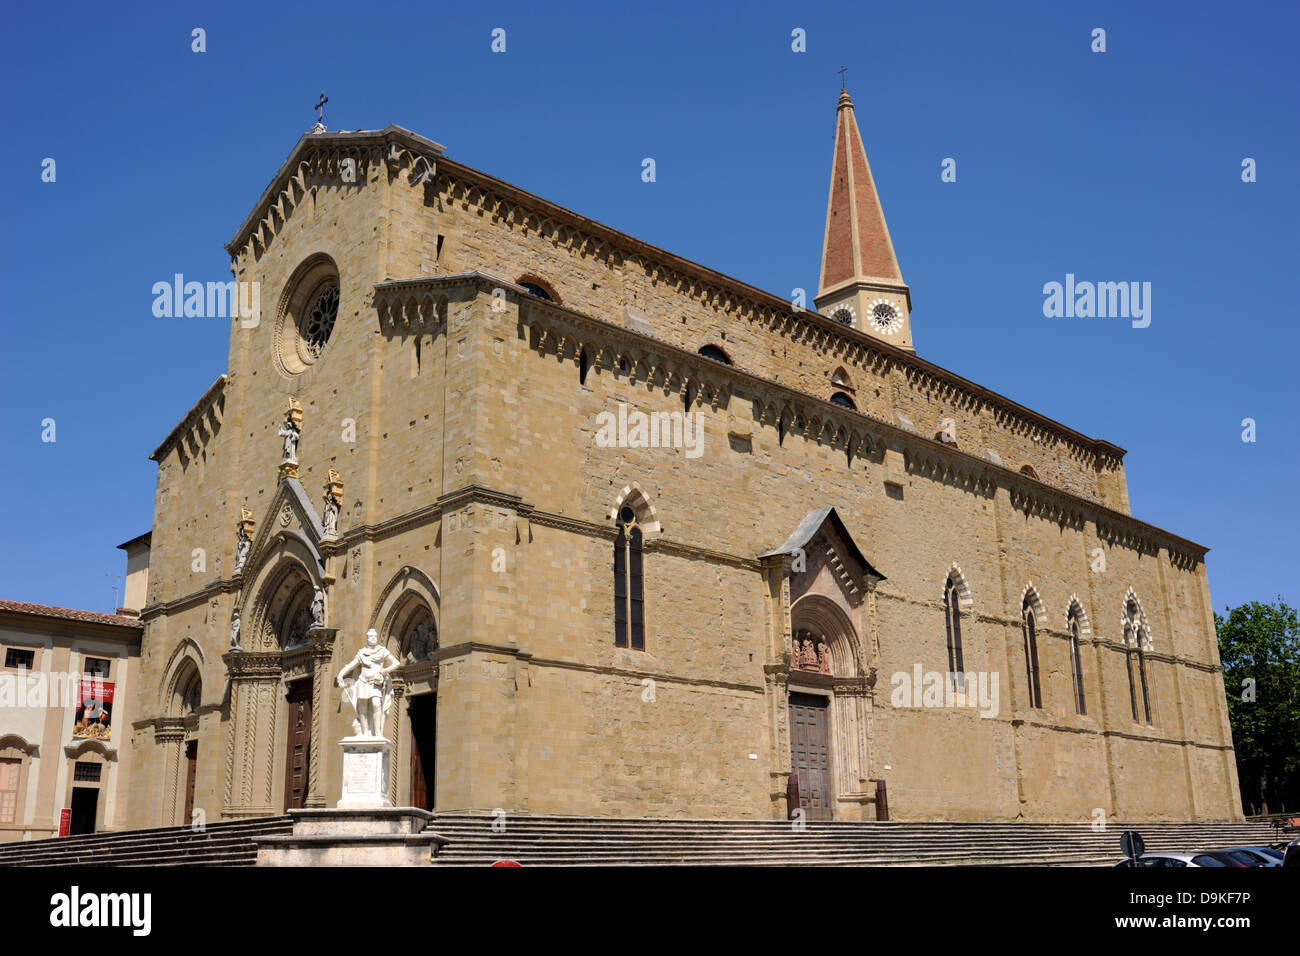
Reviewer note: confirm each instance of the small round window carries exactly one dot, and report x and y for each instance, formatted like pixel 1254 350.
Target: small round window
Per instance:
pixel 309 308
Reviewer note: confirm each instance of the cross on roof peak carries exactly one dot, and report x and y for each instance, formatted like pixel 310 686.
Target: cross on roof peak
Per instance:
pixel 320 114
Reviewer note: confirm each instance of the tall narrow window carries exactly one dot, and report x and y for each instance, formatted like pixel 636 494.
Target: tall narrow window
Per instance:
pixel 1134 635
pixel 629 592
pixel 952 617
pixel 1076 665
pixel 1132 687
pixel 1031 657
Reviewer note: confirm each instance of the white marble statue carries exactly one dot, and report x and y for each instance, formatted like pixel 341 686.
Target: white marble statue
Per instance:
pixel 371 692
pixel 330 520
pixel 290 434
pixel 234 630
pixel 318 608
pixel 243 544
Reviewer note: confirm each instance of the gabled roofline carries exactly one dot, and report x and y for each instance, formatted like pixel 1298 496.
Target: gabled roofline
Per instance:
pixel 309 141
pixel 202 405
pixel 630 244
pixel 807 529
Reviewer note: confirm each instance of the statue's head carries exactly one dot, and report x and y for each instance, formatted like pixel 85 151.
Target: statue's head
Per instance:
pixel 372 637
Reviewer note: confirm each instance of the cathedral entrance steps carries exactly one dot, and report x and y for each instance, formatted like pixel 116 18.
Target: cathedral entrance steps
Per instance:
pixel 570 841
pixel 601 841
pixel 228 843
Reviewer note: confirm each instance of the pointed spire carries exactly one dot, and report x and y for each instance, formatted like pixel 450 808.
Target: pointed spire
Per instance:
pixel 857 245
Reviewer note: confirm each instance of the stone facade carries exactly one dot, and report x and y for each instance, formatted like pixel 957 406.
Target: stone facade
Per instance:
pixel 481 332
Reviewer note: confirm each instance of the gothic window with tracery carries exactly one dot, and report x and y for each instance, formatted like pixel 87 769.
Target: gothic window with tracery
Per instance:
pixel 629 588
pixel 1031 655
pixel 1076 664
pixel 952 618
pixel 1135 637
pixel 318 320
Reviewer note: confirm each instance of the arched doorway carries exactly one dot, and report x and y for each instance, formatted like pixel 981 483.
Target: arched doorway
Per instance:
pixel 279 675
pixel 828 707
pixel 406 617
pixel 287 620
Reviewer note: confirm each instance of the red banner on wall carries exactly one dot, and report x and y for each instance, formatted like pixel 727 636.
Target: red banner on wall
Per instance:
pixel 65 821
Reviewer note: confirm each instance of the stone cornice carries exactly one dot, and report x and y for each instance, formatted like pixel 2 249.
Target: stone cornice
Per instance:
pixel 208 400
pixel 816 418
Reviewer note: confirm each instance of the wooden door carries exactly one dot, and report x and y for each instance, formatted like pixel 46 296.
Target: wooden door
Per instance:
pixel 424 724
pixel 298 747
pixel 810 755
pixel 191 773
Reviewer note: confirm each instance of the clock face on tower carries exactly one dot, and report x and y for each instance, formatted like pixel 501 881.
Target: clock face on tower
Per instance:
pixel 885 317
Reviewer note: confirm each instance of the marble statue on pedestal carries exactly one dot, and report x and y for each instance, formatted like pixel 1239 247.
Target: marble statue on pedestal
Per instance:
pixel 371 692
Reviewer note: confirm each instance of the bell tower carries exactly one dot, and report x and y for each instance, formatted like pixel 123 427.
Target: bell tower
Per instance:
pixel 861 284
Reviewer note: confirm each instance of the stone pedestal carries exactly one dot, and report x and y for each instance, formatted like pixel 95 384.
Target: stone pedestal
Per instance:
pixel 393 836
pixel 365 773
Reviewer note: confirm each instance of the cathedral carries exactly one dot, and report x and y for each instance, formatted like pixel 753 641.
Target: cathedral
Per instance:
pixel 645 540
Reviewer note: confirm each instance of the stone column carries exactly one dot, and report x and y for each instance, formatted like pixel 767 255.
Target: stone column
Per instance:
pixel 168 732
pixel 393 731
pixel 321 640
pixel 254 677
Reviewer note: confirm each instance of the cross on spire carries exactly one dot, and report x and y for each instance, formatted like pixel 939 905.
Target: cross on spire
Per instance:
pixel 320 114
pixel 841 71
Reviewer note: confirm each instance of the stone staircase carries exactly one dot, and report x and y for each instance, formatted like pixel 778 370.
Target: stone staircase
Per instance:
pixel 589 841
pixel 601 841
pixel 229 843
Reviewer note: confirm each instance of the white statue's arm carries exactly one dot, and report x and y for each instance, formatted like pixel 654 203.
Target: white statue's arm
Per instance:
pixel 348 669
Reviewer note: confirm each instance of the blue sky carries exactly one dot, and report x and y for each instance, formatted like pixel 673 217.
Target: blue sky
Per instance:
pixel 1115 166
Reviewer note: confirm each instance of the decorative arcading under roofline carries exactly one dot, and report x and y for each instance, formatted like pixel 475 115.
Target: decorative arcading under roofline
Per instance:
pixel 472 189
pixel 570 331
pixel 1041 503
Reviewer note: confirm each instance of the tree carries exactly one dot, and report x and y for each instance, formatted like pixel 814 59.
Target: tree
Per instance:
pixel 1259 645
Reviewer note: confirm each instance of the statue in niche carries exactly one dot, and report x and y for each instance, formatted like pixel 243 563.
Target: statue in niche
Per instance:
pixel 234 631
pixel 333 499
pixel 823 658
pixel 371 692
pixel 422 641
pixel 809 662
pixel 330 518
pixel 318 608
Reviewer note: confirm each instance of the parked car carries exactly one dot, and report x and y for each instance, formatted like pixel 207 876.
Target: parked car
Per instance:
pixel 1262 855
pixel 1292 857
pixel 1205 858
